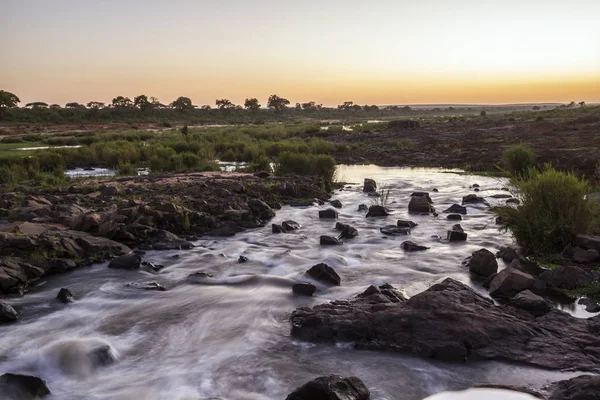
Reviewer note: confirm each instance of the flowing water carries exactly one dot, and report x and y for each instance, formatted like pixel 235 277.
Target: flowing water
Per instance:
pixel 229 336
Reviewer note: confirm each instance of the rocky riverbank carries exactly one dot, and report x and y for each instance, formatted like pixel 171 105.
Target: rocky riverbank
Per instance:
pixel 50 231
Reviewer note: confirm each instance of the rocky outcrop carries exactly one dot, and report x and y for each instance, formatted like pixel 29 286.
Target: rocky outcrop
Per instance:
pixel 323 272
pixel 332 387
pixel 451 322
pixel 584 387
pixel 22 387
pixel 482 262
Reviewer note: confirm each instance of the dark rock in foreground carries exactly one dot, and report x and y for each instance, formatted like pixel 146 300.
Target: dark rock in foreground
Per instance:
pixel 305 289
pixel 394 230
pixel 323 272
pixel 330 213
pixel 377 211
pixel 22 387
pixel 456 209
pixel 509 282
pixel 65 295
pixel 333 387
pixel 325 240
pixel 457 234
pixel 370 185
pixel 128 261
pixel 8 313
pixel 420 204
pixel 406 223
pixel 449 321
pixel 584 387
pixel 409 245
pixel 483 263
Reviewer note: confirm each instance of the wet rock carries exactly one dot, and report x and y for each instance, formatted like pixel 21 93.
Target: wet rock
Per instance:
pixel 370 185
pixel 475 185
pixel 102 356
pixel 290 225
pixel 394 230
pixel 422 194
pixel 330 213
pixel 499 221
pixel 588 242
pixel 385 293
pixel 348 231
pixel 583 387
pixel 590 305
pixel 332 387
pixel 277 228
pixel 454 217
pixel 483 263
pixel 420 204
pixel 456 209
pixel 585 256
pixel 507 254
pixel 513 201
pixel 147 286
pixel 260 209
pixel 377 211
pixel 64 295
pixel 336 203
pixel 509 282
pixel 406 223
pixel 488 281
pixel 567 277
pixel 200 274
pixel 435 190
pixel 409 245
pixel 451 322
pixel 262 174
pixel 325 240
pixel 8 313
pixel 109 191
pixel 22 387
pixel 457 234
pixel 530 302
pixel 473 199
pixel 128 261
pixel 242 259
pixel 501 196
pixel 363 207
pixel 323 272
pixel 305 289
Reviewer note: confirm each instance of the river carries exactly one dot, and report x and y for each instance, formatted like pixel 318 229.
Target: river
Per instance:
pixel 229 337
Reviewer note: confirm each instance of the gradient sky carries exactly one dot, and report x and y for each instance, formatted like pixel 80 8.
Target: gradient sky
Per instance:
pixel 330 51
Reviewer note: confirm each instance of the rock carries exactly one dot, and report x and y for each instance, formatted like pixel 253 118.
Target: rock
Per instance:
pixel 363 207
pixel 501 196
pixel 8 313
pixel 483 263
pixel 475 185
pixel 305 289
pixel 457 234
pixel 420 204
pixel 147 286
pixel 290 225
pixel 509 282
pixel 22 387
pixel 507 254
pixel 567 277
pixel 260 209
pixel 65 295
pixel 108 191
pixel 394 230
pixel 242 259
pixel 325 240
pixel 323 272
pixel 583 387
pixel 348 231
pixel 412 246
pixel 102 356
pixel 330 213
pixel 200 274
pixel 454 217
pixel 332 387
pixel 585 256
pixel 513 201
pixel 128 261
pixel 590 305
pixel 499 221
pixel 336 203
pixel 377 211
pixel 456 209
pixel 406 223
pixel 422 194
pixel 530 302
pixel 277 228
pixel 473 199
pixel 262 174
pixel 451 322
pixel 488 281
pixel 370 185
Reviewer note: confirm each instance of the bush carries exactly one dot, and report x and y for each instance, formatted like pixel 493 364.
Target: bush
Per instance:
pixel 320 165
pixel 518 159
pixel 126 169
pixel 552 211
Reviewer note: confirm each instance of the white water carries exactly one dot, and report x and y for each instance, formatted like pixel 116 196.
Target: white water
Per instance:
pixel 230 338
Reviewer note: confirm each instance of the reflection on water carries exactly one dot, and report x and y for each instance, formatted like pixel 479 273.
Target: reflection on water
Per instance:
pixel 481 394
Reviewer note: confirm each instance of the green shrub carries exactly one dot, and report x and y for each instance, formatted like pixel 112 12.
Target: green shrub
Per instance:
pixel 552 210
pixel 320 165
pixel 126 169
pixel 518 159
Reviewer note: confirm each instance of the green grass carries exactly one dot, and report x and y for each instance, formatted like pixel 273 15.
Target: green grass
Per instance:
pixel 306 164
pixel 591 291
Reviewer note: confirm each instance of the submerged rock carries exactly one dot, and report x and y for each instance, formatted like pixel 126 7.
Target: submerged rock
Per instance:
pixel 451 322
pixel 473 199
pixel 332 387
pixel 290 225
pixel 323 272
pixel 22 387
pixel 8 313
pixel 330 213
pixel 377 211
pixel 456 209
pixel 370 185
pixel 147 286
pixel 363 207
pixel 483 263
pixel 409 245
pixel 394 230
pixel 325 240
pixel 242 259
pixel 65 295
pixel 336 203
pixel 454 217
pixel 128 261
pixel 420 204
pixel 457 234
pixel 406 223
pixel 305 289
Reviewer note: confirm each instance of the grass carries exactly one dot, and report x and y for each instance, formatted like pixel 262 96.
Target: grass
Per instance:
pixel 552 212
pixel 306 164
pixel 383 198
pixel 591 291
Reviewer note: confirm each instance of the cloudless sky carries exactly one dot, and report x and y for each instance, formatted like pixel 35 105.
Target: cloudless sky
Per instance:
pixel 330 51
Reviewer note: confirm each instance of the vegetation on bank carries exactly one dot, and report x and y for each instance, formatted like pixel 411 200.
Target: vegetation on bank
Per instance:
pixel 518 159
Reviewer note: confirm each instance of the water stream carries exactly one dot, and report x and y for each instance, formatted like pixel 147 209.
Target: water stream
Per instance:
pixel 229 337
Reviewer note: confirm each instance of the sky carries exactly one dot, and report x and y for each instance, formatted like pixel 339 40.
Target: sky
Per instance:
pixel 328 51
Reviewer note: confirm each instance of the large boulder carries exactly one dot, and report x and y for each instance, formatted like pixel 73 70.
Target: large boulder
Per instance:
pixel 8 313
pixel 451 322
pixel 329 213
pixel 128 261
pixel 585 256
pixel 370 185
pixel 509 282
pixel 260 209
pixel 528 301
pixel 483 263
pixel 420 204
pixel 567 277
pixel 22 387
pixel 332 387
pixel 456 209
pixel 456 234
pixel 588 242
pixel 377 211
pixel 583 387
pixel 323 272
pixel 473 199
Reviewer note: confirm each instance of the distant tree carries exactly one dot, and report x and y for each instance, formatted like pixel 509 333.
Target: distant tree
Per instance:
pixel 121 102
pixel 356 107
pixel 37 104
pixel 535 108
pixel 73 105
pixel 309 106
pixel 95 105
pixel 182 104
pixel 206 107
pixel 8 99
pixel 54 106
pixel 483 113
pixel 155 103
pixel 407 109
pixel 571 104
pixel 185 131
pixel 142 102
pixel 582 104
pixel 347 105
pixel 298 106
pixel 252 104
pixel 224 104
pixel 277 103
pixel 370 108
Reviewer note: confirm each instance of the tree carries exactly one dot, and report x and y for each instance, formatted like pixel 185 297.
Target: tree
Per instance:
pixel 571 104
pixel 121 102
pixel 73 105
pixel 95 105
pixel 8 99
pixel 37 104
pixel 483 113
pixel 347 105
pixel 224 104
pixel 370 108
pixel 206 107
pixel 277 103
pixel 582 104
pixel 142 102
pixel 54 107
pixel 535 108
pixel 182 104
pixel 252 104
pixel 309 106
